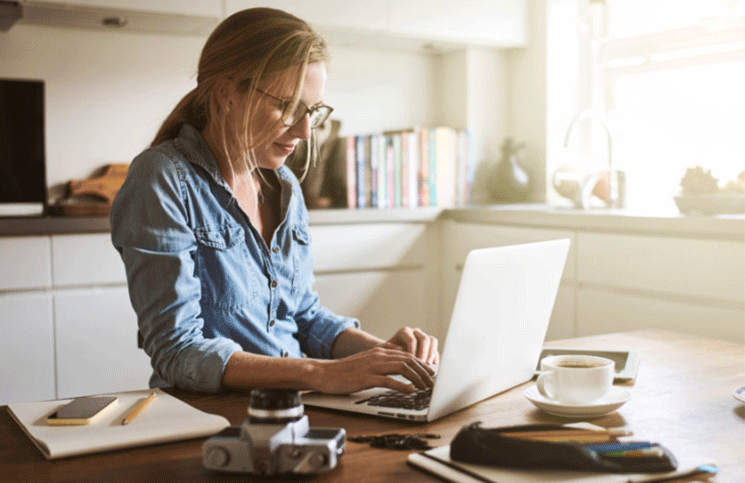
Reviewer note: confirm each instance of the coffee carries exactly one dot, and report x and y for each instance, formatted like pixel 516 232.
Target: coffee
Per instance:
pixel 579 364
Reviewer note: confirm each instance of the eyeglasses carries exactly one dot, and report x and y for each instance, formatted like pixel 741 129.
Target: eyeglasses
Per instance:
pixel 292 115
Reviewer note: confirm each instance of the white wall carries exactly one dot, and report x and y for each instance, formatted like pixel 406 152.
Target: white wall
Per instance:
pixel 107 92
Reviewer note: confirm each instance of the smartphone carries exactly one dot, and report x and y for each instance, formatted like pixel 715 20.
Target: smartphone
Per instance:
pixel 81 411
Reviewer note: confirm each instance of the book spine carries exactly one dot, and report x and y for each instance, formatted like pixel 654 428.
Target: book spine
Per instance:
pixel 405 170
pixel 424 167
pixel 351 173
pixel 360 166
pixel 382 152
pixel 413 174
pixel 432 170
pixel 373 142
pixel 390 166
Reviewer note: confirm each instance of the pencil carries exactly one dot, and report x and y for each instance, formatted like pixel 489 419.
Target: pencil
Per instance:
pixel 615 432
pixel 578 435
pixel 138 409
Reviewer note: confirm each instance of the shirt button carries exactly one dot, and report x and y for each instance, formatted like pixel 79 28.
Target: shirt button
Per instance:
pixel 271 323
pixel 275 249
pixel 285 354
pixel 274 284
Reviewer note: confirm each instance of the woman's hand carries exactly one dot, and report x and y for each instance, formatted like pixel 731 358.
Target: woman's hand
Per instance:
pixel 416 342
pixel 371 368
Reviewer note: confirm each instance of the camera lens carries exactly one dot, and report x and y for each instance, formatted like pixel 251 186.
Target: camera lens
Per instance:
pixel 275 406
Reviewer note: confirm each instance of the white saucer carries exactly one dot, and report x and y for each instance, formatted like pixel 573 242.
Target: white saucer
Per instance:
pixel 739 394
pixel 612 401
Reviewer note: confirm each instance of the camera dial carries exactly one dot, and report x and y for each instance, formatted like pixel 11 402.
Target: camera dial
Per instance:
pixel 275 406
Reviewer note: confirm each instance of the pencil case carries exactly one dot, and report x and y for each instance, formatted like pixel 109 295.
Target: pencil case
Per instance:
pixel 495 447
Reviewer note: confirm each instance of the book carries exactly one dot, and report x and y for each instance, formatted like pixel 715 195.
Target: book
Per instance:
pixel 374 166
pixel 424 167
pixel 350 176
pixel 361 163
pixel 164 420
pixel 382 170
pixel 437 461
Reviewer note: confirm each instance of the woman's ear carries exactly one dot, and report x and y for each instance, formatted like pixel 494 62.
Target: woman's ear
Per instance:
pixel 224 95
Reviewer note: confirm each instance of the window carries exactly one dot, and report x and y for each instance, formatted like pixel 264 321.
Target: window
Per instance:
pixel 671 76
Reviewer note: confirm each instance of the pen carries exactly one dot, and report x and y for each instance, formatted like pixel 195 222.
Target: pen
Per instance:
pixel 138 409
pixel 611 447
pixel 647 452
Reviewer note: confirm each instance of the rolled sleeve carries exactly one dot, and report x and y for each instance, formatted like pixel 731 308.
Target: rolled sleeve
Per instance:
pixel 319 327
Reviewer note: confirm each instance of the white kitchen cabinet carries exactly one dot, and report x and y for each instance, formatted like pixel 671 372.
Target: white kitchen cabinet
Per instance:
pixel 26 347
pixel 381 273
pixel 464 237
pixel 382 301
pixel 361 15
pixel 25 263
pixel 631 282
pixel 497 23
pixel 203 8
pixel 88 259
pixel 500 23
pixel 180 17
pixel 711 269
pixel 366 247
pixel 96 334
pixel 601 311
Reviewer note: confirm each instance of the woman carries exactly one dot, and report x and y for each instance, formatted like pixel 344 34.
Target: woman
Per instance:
pixel 213 231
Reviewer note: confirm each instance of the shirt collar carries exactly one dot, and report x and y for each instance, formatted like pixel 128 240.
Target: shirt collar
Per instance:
pixel 192 145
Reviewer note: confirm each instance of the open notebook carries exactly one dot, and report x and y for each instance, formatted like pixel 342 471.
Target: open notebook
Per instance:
pixel 164 420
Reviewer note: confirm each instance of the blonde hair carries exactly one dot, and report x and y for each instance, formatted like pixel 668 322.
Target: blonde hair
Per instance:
pixel 249 47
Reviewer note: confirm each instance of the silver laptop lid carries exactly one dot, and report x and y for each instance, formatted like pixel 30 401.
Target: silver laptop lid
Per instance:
pixel 499 321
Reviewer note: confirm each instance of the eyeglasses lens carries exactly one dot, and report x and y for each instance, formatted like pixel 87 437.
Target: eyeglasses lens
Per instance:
pixel 317 115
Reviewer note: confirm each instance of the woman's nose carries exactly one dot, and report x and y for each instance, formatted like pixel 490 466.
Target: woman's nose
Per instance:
pixel 302 128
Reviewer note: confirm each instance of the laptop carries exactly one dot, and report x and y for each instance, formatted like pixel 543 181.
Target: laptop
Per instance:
pixel 496 332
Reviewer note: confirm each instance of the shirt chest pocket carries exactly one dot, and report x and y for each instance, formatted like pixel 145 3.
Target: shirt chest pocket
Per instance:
pixel 221 263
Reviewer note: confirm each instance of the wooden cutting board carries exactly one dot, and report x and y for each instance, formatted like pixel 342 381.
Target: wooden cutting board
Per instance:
pixel 92 196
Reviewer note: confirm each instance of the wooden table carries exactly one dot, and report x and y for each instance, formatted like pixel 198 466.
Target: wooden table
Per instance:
pixel 682 397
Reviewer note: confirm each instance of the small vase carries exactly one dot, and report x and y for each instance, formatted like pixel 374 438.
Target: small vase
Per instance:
pixel 510 182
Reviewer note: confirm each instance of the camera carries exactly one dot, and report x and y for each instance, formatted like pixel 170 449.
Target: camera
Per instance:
pixel 275 439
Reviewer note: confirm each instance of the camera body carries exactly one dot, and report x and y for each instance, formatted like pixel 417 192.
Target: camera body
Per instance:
pixel 275 439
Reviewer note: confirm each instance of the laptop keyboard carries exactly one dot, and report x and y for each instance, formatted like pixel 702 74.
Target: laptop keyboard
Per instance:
pixel 416 400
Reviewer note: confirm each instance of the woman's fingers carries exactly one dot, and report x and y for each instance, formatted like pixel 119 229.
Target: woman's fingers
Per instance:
pixel 415 341
pixel 373 368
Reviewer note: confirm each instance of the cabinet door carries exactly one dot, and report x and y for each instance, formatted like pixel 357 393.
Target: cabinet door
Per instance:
pixel 383 301
pixel 26 347
pixel 204 8
pixel 96 334
pixel 25 262
pixel 602 311
pixel 367 15
pixel 461 238
pixel 366 247
pixel 650 265
pixel 500 23
pixel 86 260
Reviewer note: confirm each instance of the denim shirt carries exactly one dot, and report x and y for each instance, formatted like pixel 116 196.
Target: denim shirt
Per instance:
pixel 202 280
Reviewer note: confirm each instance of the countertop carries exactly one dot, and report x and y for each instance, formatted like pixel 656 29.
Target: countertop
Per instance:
pixel 663 223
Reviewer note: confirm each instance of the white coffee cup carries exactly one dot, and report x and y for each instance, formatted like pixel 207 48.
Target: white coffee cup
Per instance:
pixel 575 379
